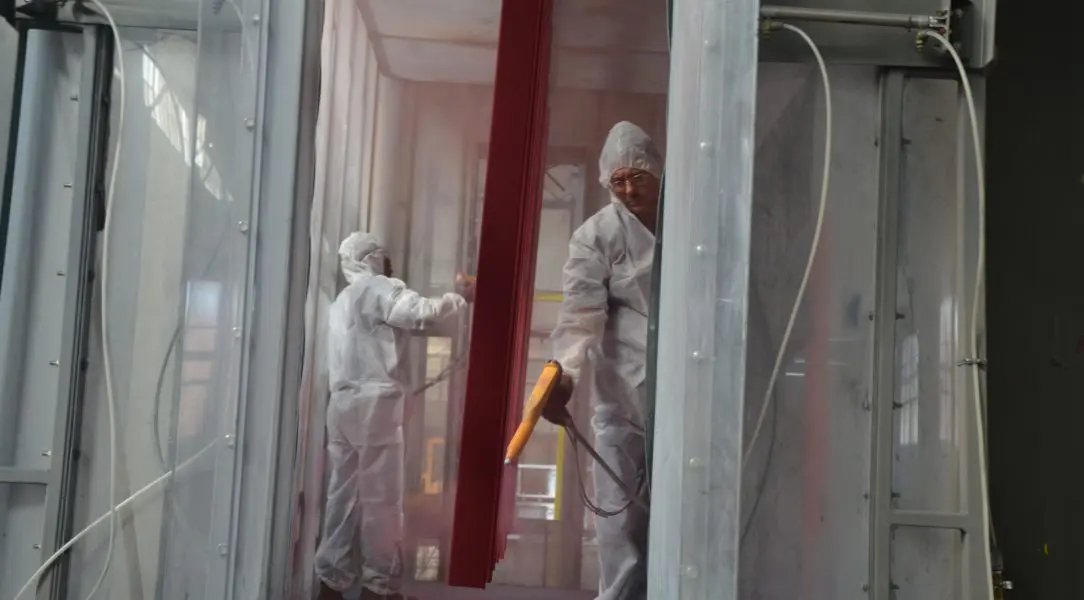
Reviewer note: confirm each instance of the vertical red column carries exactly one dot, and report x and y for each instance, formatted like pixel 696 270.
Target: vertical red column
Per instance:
pixel 502 309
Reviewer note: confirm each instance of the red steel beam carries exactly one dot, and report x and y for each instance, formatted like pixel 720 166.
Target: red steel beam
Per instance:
pixel 505 292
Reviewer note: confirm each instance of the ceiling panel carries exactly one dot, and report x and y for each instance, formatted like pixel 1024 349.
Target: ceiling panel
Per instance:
pixel 469 21
pixel 418 60
pixel 601 44
pixel 637 73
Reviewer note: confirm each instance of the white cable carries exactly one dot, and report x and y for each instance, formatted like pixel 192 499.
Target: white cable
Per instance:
pixel 973 334
pixel 130 500
pixel 814 247
pixel 107 358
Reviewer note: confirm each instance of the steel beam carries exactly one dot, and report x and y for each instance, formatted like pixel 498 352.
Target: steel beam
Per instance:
pixel 884 354
pixel 10 146
pixel 27 476
pixel 933 520
pixel 91 142
pixel 702 324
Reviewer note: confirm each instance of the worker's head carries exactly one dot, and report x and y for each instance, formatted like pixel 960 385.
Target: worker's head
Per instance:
pixel 630 167
pixel 361 254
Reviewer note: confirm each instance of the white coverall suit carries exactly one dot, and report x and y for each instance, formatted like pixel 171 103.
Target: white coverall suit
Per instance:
pixel 367 330
pixel 601 342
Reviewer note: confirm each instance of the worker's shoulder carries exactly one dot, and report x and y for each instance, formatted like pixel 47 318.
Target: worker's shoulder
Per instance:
pixel 370 284
pixel 599 227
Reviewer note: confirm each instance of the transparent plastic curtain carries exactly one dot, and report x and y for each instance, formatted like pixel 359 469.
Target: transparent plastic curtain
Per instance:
pixel 340 205
pixel 181 246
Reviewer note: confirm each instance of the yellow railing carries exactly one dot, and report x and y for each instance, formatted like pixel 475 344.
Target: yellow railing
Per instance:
pixel 548 297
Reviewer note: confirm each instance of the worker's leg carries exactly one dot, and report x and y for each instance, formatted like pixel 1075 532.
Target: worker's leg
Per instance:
pixel 622 538
pixel 337 563
pixel 380 495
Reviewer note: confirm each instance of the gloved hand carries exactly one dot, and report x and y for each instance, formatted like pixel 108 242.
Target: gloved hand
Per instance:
pixel 556 410
pixel 464 286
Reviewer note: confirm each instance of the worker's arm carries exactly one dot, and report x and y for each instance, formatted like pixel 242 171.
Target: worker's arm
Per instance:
pixel 409 310
pixel 582 317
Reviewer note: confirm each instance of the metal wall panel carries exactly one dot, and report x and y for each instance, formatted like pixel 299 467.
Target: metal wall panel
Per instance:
pixel 805 510
pixel 703 311
pixel 33 294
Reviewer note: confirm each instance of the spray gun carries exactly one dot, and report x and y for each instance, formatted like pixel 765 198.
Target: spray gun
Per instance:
pixel 548 382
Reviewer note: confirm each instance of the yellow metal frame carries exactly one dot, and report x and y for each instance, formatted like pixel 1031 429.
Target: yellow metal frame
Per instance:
pixel 431 484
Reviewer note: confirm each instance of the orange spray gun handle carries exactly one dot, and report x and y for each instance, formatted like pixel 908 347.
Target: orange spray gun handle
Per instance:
pixel 547 382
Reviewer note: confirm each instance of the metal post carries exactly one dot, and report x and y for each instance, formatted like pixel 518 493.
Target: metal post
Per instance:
pixel 92 140
pixel 275 552
pixel 884 370
pixel 978 568
pixel 695 521
pixel 10 146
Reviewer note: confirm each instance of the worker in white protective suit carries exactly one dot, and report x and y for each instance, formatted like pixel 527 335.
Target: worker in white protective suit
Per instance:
pixel 369 323
pixel 601 343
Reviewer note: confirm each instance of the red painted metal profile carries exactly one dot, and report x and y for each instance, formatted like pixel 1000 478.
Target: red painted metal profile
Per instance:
pixel 502 309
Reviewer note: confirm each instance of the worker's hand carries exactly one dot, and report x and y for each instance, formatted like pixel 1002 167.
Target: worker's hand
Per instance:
pixel 556 410
pixel 464 286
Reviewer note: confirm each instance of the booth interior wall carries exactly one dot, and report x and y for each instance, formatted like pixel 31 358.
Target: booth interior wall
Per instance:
pixel 805 511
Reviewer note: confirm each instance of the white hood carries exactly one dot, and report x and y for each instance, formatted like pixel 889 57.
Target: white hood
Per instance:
pixel 361 254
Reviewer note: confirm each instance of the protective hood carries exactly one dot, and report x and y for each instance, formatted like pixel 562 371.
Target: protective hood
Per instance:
pixel 628 146
pixel 360 255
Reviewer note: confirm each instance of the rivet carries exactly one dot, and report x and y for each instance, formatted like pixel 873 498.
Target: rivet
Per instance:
pixel 695 463
pixel 242 226
pixel 690 571
pixel 222 548
pixel 237 332
pixel 256 19
pixel 250 124
pixel 230 442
